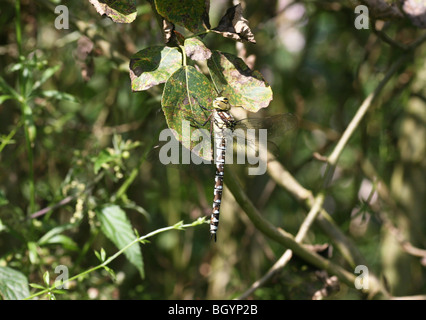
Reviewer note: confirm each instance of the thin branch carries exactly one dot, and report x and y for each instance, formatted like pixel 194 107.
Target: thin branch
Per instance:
pixel 282 236
pixel 345 246
pixel 353 125
pixel 281 263
pixel 67 199
pixel 385 196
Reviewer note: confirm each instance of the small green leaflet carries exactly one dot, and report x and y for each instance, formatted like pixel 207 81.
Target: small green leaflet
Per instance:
pixel 234 79
pixel 153 65
pixel 13 284
pixel 117 228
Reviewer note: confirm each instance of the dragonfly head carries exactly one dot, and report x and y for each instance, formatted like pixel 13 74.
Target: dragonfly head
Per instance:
pixel 221 103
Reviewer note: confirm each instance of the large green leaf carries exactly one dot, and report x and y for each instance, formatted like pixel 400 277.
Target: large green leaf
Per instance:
pixel 191 14
pixel 121 11
pixel 185 95
pixel 13 284
pixel 117 228
pixel 153 65
pixel 235 80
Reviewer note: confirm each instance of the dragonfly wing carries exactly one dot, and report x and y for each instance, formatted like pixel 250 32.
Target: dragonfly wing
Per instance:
pixel 250 138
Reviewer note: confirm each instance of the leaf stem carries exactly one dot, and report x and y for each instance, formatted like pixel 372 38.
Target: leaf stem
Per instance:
pixel 182 48
pixel 177 226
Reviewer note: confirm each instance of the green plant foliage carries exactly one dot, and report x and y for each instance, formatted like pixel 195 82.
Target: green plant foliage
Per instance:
pixel 79 190
pixel 191 14
pixel 154 65
pixel 185 93
pixel 117 228
pixel 13 284
pixel 234 79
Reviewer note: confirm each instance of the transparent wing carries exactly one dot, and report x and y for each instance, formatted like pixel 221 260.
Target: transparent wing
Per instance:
pixel 276 126
pixel 251 135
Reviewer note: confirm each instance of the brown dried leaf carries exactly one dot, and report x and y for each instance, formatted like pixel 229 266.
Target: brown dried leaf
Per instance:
pixel 84 57
pixel 233 25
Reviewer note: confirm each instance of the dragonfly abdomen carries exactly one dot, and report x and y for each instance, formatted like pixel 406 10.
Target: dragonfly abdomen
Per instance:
pixel 221 121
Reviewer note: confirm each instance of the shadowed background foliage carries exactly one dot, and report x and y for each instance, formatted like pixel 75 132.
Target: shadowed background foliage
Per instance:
pixel 320 67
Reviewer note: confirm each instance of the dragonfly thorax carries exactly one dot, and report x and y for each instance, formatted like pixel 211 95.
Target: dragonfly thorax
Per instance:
pixel 221 103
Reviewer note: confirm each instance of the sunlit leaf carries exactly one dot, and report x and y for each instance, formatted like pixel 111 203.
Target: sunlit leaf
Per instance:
pixel 104 157
pixel 191 14
pixel 117 228
pixel 153 65
pixel 196 50
pixel 121 11
pixel 13 284
pixel 235 80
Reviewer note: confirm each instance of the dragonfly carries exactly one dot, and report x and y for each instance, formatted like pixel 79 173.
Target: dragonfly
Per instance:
pixel 247 138
pixel 224 124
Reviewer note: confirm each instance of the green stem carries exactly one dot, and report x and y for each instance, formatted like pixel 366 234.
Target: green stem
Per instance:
pixel 18 26
pixel 29 130
pixel 199 34
pixel 177 226
pixel 182 48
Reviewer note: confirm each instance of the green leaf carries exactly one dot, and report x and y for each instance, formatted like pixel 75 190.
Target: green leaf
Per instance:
pixel 191 14
pixel 59 95
pixel 3 98
pixel 46 278
pixel 46 75
pixel 54 237
pixel 13 284
pixel 121 11
pixel 184 95
pixel 117 228
pixel 65 241
pixel 5 88
pixel 236 81
pixel 153 65
pixel 32 252
pixel 3 200
pixel 37 286
pixel 53 232
pixel 103 158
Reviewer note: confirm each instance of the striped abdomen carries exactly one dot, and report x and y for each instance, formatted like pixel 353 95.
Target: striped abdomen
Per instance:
pixel 218 187
pixel 221 121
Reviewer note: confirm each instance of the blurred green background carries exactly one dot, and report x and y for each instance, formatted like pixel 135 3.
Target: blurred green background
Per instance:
pixel 320 68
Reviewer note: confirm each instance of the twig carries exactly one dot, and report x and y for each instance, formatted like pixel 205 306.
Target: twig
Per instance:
pixel 281 263
pixel 282 236
pixel 384 194
pixel 67 199
pixel 345 246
